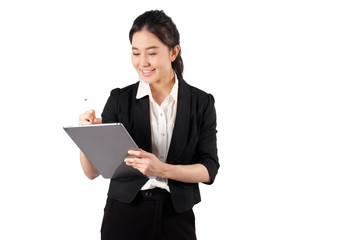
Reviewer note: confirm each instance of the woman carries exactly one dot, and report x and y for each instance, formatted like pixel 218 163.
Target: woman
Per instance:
pixel 174 124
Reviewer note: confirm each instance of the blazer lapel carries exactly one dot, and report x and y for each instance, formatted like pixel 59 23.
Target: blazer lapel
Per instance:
pixel 142 123
pixel 181 128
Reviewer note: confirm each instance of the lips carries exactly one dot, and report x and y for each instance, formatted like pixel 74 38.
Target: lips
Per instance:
pixel 147 73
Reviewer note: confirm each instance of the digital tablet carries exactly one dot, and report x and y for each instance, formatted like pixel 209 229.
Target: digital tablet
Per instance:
pixel 106 147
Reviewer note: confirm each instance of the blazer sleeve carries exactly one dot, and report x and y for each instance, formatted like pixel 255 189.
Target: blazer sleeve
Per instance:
pixel 206 148
pixel 110 113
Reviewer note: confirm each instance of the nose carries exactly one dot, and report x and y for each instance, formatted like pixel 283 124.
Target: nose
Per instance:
pixel 144 61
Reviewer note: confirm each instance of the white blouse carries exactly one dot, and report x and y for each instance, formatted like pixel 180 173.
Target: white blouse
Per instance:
pixel 162 120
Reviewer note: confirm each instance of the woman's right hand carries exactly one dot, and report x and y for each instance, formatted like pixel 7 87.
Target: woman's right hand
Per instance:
pixel 89 117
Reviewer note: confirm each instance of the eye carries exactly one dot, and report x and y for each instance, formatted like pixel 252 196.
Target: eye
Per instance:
pixel 152 54
pixel 136 54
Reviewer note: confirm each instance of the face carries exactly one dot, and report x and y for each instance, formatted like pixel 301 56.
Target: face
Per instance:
pixel 151 58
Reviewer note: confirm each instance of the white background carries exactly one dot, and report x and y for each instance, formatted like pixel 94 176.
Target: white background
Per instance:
pixel 285 76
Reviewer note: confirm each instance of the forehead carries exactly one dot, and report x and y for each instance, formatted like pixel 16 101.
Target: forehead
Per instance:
pixel 144 40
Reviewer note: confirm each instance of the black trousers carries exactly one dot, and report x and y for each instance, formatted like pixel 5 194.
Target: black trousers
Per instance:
pixel 150 216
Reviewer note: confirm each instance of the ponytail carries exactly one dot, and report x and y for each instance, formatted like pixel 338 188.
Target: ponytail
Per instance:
pixel 178 65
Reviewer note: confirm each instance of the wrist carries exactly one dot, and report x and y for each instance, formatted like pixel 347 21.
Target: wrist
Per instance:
pixel 166 171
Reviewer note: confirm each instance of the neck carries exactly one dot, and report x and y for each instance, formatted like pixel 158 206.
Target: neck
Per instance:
pixel 162 88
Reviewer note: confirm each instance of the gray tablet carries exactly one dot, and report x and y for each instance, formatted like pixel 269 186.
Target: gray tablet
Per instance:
pixel 106 147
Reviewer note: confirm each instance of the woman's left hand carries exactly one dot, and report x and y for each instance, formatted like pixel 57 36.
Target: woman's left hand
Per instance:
pixel 147 163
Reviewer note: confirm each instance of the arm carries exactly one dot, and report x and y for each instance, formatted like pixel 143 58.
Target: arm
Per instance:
pixel 86 118
pixel 89 169
pixel 187 173
pixel 150 165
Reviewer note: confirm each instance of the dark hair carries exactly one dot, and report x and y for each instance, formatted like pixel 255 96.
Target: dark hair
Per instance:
pixel 162 26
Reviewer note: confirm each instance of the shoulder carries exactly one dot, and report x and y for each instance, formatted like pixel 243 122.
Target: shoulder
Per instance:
pixel 128 90
pixel 122 96
pixel 200 96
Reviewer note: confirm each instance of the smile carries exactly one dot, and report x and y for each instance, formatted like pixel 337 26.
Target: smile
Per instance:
pixel 147 73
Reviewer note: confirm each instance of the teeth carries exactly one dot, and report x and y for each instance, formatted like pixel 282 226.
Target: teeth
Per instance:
pixel 147 71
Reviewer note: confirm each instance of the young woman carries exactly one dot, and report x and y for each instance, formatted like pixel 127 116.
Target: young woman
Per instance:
pixel 174 124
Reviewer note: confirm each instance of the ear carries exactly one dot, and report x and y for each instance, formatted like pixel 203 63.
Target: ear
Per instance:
pixel 174 52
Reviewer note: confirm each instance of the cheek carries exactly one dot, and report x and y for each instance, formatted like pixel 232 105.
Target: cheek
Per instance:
pixel 134 62
pixel 162 62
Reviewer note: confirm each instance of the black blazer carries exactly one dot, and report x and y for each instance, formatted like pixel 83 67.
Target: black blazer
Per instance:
pixel 193 140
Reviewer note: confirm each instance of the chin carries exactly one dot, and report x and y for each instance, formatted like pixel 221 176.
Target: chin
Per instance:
pixel 149 80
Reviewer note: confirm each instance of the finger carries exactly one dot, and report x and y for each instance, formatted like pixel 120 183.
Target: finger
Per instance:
pixel 86 114
pixel 134 164
pixel 84 123
pixel 140 153
pixel 135 153
pixel 89 115
pixel 132 161
pixel 139 167
pixel 92 117
pixel 97 120
pixel 83 120
pixel 90 111
pixel 145 154
pixel 128 162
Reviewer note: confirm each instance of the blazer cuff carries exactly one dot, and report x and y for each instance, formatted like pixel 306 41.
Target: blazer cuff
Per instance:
pixel 212 168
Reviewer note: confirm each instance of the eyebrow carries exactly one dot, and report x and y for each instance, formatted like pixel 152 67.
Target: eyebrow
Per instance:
pixel 148 48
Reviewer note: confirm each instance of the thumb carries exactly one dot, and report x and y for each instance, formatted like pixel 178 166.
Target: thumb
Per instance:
pixel 97 121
